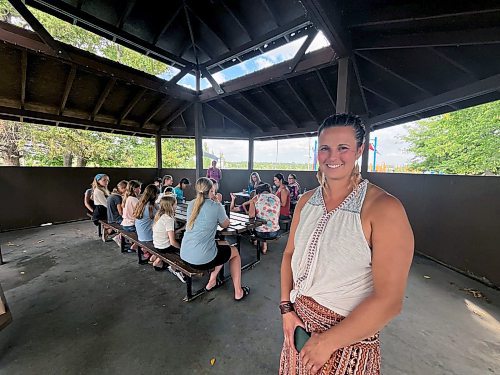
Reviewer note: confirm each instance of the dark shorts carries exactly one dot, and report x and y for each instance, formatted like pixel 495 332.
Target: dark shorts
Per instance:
pixel 223 255
pixel 266 235
pixel 171 249
pixel 130 228
pixel 284 217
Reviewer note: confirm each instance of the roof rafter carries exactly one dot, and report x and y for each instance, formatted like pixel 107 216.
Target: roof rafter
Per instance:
pixel 67 89
pixel 163 102
pixel 191 34
pixel 326 15
pixel 360 84
pixel 237 20
pixel 210 104
pixel 270 12
pixel 38 28
pixel 290 27
pixel 302 51
pixel 174 115
pixel 138 96
pixel 325 87
pixel 232 107
pixel 166 26
pixel 301 100
pixel 114 33
pixel 258 110
pixel 364 41
pixel 219 90
pixel 280 106
pixel 126 12
pixel 102 97
pixel 470 91
pixel 24 69
pixel 215 33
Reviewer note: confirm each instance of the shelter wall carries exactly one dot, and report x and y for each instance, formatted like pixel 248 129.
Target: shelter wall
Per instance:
pixel 455 218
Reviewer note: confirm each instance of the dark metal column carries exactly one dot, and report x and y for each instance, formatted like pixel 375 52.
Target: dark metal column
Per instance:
pixel 159 164
pixel 198 136
pixel 250 154
pixel 343 85
pixel 364 157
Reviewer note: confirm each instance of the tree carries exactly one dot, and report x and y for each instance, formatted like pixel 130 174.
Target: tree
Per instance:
pixel 12 140
pixel 461 142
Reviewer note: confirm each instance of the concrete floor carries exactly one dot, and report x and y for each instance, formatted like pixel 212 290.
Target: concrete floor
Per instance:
pixel 81 307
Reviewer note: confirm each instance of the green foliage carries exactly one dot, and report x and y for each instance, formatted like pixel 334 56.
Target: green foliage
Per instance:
pixel 83 39
pixel 463 142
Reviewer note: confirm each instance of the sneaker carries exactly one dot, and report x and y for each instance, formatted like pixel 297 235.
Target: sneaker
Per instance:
pixel 179 274
pixel 118 240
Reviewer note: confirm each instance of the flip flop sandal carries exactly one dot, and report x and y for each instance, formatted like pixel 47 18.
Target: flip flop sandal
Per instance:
pixel 246 292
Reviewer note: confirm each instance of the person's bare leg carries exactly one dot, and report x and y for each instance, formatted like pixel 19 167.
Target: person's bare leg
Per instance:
pixel 232 208
pixel 263 246
pixel 213 277
pixel 235 268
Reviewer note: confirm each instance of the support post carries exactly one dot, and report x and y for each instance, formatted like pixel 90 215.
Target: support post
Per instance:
pixel 343 86
pixel 159 164
pixel 250 154
pixel 366 152
pixel 198 131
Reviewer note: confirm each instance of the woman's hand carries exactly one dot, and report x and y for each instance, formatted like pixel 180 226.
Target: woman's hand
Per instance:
pixel 316 352
pixel 290 322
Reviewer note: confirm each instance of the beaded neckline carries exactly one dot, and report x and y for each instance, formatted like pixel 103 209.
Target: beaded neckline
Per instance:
pixel 346 199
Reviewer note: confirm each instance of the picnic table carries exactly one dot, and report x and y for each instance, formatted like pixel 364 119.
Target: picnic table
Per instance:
pixel 240 224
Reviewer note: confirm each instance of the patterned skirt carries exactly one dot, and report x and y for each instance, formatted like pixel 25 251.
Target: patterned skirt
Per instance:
pixel 361 358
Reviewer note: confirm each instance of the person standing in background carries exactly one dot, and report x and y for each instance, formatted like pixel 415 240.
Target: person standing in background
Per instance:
pixel 214 172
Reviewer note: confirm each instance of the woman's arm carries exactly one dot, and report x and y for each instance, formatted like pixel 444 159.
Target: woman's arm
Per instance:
pixel 284 195
pixel 86 202
pixel 173 240
pixel 392 244
pixel 290 319
pixel 251 207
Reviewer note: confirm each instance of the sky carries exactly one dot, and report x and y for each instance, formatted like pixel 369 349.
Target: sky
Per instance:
pixel 391 148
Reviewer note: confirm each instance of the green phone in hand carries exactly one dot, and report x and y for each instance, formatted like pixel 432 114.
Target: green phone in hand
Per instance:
pixel 300 337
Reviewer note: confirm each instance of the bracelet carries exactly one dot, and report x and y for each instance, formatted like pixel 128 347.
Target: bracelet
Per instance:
pixel 286 307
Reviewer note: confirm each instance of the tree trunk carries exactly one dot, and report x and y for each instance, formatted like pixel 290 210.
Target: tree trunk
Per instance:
pixel 81 161
pixel 68 160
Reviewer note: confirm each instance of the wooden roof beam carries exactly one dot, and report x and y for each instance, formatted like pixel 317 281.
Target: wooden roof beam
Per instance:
pixel 326 16
pixel 225 116
pixel 466 92
pixel 364 41
pixel 258 110
pixel 280 106
pixel 327 91
pixel 104 94
pixel 38 28
pixel 126 12
pixel 232 107
pixel 67 89
pixel 216 34
pixel 301 100
pixel 24 69
pixel 155 111
pixel 237 20
pixel 174 115
pixel 302 51
pixel 138 96
pixel 166 26
pixel 92 124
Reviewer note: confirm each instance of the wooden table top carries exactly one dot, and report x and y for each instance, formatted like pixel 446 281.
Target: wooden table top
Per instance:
pixel 239 223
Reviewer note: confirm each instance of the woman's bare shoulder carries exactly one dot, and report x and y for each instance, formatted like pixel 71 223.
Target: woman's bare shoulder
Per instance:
pixel 380 201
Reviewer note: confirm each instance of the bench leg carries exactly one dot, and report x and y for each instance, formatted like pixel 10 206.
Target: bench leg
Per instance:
pixel 1 257
pixel 122 243
pixel 99 230
pixel 189 290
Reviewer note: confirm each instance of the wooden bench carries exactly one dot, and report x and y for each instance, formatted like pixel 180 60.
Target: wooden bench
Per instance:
pixel 172 259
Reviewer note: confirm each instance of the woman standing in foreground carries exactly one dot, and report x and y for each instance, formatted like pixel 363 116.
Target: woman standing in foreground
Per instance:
pixel 346 263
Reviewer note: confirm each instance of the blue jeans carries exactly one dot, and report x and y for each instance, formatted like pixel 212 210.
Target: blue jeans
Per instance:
pixel 130 228
pixel 266 235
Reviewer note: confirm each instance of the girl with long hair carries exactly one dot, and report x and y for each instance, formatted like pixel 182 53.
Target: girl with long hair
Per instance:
pixel 253 182
pixel 130 200
pixel 199 247
pixel 346 263
pixel 179 189
pixel 164 239
pixel 283 194
pixel 144 214
pixel 100 193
